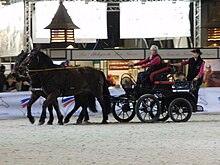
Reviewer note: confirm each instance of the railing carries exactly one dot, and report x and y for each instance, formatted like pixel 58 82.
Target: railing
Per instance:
pixel 128 54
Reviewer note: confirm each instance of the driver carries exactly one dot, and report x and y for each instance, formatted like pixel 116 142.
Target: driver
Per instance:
pixel 152 63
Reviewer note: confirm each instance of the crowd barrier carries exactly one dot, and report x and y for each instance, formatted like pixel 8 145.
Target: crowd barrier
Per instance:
pixel 14 104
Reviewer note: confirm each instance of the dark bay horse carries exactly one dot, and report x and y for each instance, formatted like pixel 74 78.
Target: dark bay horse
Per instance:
pixel 37 92
pixel 57 81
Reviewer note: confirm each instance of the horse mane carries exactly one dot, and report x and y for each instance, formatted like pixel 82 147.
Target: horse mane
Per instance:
pixel 21 56
pixel 46 58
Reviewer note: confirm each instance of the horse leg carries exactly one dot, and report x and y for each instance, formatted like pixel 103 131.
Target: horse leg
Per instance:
pixel 83 114
pixel 92 103
pixel 69 115
pixel 50 109
pixel 104 112
pixel 59 114
pixel 33 98
pixel 51 98
pixel 82 99
pixel 86 117
pixel 43 113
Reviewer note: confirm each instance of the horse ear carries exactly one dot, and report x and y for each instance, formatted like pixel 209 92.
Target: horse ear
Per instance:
pixel 38 49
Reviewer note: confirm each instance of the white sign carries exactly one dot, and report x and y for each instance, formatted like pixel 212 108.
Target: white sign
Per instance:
pixel 107 54
pixel 154 19
pixel 11 29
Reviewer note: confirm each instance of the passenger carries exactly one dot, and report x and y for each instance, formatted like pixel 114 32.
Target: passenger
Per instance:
pixel 207 75
pixel 111 80
pixel 152 63
pixel 210 79
pixel 2 78
pixel 23 83
pixel 180 76
pixel 195 70
pixel 10 84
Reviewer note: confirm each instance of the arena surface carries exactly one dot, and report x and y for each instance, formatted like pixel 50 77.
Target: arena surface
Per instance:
pixel 196 142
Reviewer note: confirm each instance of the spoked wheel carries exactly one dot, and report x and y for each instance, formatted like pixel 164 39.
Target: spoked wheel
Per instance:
pixel 123 109
pixel 147 108
pixel 164 115
pixel 180 110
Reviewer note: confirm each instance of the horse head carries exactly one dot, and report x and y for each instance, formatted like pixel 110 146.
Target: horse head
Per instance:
pixel 17 70
pixel 18 61
pixel 38 60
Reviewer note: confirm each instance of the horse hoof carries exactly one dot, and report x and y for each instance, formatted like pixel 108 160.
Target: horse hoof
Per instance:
pixel 60 123
pixel 78 122
pixel 41 123
pixel 32 120
pixel 87 122
pixel 49 123
pixel 104 122
pixel 66 120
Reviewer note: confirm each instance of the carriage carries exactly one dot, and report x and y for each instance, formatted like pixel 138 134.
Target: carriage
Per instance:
pixel 161 99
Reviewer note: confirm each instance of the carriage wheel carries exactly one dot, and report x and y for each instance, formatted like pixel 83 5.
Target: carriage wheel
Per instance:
pixel 164 115
pixel 123 109
pixel 180 110
pixel 147 108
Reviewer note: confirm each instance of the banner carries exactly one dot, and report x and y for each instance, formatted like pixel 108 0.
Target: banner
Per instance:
pixel 209 99
pixel 14 104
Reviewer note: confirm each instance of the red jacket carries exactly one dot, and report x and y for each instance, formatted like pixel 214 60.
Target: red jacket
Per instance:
pixel 155 60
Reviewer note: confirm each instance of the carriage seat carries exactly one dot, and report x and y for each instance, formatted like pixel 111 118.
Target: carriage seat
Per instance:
pixel 160 76
pixel 127 83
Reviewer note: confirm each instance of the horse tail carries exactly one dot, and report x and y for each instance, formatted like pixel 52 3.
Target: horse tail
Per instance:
pixel 106 94
pixel 92 103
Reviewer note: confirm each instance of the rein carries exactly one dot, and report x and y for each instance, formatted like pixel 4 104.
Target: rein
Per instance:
pixel 32 75
pixel 50 69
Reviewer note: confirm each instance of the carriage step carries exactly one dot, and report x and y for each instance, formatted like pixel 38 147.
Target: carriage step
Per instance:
pixel 200 108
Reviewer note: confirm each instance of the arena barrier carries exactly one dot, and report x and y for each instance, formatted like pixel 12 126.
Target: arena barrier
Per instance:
pixel 13 105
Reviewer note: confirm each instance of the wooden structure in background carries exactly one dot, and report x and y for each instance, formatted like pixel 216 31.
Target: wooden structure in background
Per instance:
pixel 62 29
